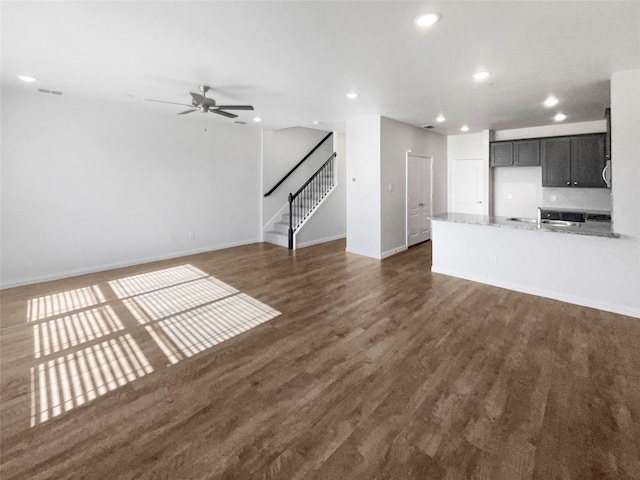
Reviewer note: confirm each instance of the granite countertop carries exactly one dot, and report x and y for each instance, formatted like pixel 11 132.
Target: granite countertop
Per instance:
pixel 594 229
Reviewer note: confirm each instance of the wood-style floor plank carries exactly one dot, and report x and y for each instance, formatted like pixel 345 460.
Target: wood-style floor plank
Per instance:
pixel 372 370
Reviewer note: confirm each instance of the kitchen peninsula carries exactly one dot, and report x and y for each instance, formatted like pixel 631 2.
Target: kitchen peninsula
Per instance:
pixel 594 229
pixel 579 266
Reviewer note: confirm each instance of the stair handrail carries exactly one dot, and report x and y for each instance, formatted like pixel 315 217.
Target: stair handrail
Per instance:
pixel 297 165
pixel 293 196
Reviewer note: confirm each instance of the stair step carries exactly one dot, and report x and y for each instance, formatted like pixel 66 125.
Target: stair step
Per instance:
pixel 277 238
pixel 282 227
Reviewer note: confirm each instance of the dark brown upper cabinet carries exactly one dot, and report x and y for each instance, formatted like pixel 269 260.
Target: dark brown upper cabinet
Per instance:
pixel 576 161
pixel 518 153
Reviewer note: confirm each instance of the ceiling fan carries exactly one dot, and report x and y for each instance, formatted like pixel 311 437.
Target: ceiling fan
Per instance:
pixel 203 104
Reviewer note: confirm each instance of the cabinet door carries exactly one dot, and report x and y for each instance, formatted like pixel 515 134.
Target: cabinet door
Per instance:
pixel 526 153
pixel 501 154
pixel 587 161
pixel 556 162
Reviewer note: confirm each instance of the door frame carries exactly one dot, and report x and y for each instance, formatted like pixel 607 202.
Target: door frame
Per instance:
pixel 406 191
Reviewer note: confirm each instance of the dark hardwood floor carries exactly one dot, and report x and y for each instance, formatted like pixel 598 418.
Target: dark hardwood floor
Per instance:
pixel 371 370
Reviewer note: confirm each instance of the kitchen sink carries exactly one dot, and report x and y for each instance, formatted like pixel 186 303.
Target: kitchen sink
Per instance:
pixel 559 223
pixel 523 220
pixel 551 223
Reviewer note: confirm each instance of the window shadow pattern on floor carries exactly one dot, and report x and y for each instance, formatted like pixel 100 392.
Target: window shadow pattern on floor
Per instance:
pixel 82 349
pixel 187 311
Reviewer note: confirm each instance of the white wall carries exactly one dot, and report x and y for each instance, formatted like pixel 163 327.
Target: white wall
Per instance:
pixel 396 139
pixel 625 157
pixel 599 272
pixel 329 222
pixel 555 130
pixel 88 187
pixel 363 186
pixel 282 150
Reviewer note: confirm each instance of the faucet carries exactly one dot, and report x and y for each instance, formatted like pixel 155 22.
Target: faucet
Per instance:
pixel 539 216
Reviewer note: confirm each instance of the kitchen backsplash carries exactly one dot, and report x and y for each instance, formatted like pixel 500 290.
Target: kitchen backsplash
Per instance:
pixel 518 192
pixel 582 198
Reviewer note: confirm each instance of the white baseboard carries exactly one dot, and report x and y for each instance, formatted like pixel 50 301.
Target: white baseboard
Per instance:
pixel 363 253
pixel 585 302
pixel 393 251
pixel 128 263
pixel 321 240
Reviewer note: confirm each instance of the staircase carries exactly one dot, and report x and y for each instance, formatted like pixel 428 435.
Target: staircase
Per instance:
pixel 302 204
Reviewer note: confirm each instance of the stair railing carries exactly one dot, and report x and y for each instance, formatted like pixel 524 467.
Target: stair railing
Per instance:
pixel 305 200
pixel 297 165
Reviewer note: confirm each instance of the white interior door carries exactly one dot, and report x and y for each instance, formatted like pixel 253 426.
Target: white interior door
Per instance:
pixel 418 199
pixel 466 187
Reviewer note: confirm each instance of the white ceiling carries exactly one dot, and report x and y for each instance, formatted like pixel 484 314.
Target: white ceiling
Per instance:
pixel 295 61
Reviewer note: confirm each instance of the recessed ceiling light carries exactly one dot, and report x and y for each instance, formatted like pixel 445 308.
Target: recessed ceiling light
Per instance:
pixel 559 117
pixel 551 101
pixel 426 19
pixel 27 78
pixel 257 119
pixel 465 128
pixel 440 118
pixel 352 95
pixel 481 75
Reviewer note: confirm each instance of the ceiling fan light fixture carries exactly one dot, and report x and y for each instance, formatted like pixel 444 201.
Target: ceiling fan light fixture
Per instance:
pixel 426 20
pixel 27 78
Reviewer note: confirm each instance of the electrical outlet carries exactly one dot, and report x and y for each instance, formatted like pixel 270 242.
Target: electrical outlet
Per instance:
pixel 553 198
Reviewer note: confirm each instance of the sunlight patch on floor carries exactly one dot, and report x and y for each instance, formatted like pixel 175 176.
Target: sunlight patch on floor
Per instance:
pixel 63 302
pixel 53 336
pixel 62 383
pixel 82 349
pixel 191 315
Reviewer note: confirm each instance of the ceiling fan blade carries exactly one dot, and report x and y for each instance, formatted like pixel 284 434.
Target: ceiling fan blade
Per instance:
pixel 224 114
pixel 235 107
pixel 187 111
pixel 197 97
pixel 162 101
